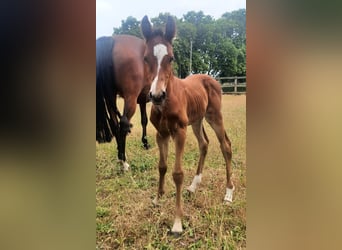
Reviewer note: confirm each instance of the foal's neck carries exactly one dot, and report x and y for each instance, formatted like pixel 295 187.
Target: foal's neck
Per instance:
pixel 169 87
pixel 174 89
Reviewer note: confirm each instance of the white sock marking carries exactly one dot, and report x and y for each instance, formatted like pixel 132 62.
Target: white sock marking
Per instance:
pixel 125 165
pixel 195 182
pixel 155 201
pixel 177 226
pixel 229 194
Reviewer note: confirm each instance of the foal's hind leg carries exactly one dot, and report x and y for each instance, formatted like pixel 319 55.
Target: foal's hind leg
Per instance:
pixel 214 118
pixel 203 147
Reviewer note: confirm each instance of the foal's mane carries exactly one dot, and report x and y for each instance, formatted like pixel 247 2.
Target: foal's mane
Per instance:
pixel 156 33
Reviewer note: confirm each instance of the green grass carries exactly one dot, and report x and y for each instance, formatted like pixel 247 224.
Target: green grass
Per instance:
pixel 125 216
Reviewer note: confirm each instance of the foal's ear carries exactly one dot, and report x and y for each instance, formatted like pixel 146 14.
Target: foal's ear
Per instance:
pixel 170 29
pixel 146 28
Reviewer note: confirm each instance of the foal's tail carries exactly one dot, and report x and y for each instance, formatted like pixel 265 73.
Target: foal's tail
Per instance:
pixel 106 110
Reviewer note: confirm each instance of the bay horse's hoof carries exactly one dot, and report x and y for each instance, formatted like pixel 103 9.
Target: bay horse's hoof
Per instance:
pixel 124 164
pixel 146 146
pixel 145 143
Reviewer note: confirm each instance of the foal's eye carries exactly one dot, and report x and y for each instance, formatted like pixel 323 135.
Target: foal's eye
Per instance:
pixel 145 59
pixel 171 58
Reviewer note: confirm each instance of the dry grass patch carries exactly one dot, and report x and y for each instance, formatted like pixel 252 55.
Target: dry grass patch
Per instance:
pixel 125 216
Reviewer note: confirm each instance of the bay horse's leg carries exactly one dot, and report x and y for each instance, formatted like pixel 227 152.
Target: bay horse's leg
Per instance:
pixel 203 141
pixel 125 128
pixel 144 122
pixel 178 176
pixel 163 145
pixel 215 120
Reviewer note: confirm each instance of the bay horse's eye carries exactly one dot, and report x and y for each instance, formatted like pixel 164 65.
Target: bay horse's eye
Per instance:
pixel 145 59
pixel 171 58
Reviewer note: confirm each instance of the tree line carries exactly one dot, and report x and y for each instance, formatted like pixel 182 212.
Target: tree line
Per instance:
pixel 217 47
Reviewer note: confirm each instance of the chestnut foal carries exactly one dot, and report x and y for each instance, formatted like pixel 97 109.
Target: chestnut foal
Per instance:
pixel 178 103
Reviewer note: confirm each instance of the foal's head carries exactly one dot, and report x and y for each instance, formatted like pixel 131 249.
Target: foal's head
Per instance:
pixel 158 57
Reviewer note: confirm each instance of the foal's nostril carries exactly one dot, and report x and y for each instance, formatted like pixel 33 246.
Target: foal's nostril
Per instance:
pixel 157 99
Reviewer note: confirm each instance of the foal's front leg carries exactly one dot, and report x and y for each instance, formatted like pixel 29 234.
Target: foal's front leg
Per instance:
pixel 163 145
pixel 178 176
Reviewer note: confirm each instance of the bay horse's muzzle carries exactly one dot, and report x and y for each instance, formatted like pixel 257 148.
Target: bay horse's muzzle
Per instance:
pixel 157 99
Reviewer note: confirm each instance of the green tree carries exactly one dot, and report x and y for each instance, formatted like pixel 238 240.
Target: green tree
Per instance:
pixel 218 46
pixel 130 26
pixel 159 21
pixel 237 25
pixel 185 33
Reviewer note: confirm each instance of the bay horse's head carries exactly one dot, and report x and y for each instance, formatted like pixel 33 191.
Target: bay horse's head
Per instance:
pixel 158 57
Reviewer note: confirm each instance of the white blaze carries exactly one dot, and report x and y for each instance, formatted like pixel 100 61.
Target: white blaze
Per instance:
pixel 159 51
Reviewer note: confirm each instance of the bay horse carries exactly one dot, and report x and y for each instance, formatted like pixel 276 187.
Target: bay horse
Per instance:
pixel 120 71
pixel 177 103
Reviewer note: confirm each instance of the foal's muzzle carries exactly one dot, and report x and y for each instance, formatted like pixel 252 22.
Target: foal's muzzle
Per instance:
pixel 157 99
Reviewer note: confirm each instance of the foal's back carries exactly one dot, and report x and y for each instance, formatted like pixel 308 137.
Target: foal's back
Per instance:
pixel 203 94
pixel 206 81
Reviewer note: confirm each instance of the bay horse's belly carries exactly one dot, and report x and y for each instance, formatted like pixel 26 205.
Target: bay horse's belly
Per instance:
pixel 128 54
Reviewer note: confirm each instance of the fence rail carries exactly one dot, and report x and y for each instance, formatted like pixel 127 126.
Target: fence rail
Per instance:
pixel 231 85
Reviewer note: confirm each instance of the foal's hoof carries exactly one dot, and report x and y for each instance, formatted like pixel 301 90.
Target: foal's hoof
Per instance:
pixel 195 182
pixel 191 189
pixel 174 234
pixel 155 202
pixel 177 227
pixel 228 198
pixel 228 203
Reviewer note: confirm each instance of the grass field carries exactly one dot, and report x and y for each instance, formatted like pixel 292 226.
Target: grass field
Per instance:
pixel 125 215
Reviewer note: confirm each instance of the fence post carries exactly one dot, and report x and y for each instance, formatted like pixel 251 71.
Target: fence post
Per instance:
pixel 235 85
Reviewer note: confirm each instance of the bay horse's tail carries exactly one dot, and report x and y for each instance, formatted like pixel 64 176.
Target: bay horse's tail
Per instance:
pixel 106 110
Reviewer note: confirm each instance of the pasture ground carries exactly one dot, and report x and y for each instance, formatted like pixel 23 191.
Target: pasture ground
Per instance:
pixel 125 215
